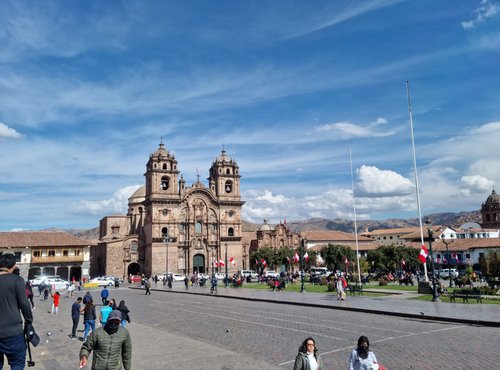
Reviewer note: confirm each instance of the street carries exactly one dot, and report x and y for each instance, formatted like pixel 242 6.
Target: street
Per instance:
pixel 184 331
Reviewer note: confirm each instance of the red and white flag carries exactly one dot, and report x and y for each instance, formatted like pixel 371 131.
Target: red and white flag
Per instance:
pixel 403 262
pixel 284 221
pixel 288 259
pixel 232 261
pixel 221 263
pixel 306 257
pixel 423 254
pixel 454 255
pixel 296 257
pixel 264 263
pixel 346 261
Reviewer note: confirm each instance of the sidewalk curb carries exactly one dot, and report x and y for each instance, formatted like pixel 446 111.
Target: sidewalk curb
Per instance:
pixel 354 309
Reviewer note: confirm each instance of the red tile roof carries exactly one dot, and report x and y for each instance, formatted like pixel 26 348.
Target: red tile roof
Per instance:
pixel 23 239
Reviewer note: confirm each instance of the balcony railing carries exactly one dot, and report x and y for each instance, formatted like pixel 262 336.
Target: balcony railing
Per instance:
pixel 52 259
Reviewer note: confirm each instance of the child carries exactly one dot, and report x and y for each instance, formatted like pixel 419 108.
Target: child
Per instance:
pixel 55 304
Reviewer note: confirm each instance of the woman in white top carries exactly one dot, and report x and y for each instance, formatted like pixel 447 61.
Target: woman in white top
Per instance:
pixel 362 358
pixel 308 357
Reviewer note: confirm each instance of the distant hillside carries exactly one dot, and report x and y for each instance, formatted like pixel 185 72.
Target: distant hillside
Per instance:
pixel 444 219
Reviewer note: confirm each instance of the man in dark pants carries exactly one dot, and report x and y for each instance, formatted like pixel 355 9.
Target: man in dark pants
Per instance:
pixel 104 296
pixel 12 300
pixel 75 316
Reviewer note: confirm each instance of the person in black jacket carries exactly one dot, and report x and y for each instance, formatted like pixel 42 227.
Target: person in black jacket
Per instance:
pixel 12 300
pixel 125 313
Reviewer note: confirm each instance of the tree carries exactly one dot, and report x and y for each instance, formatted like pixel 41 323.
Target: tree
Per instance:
pixel 335 255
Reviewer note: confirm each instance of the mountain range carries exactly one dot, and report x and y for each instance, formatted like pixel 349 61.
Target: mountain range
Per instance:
pixel 453 220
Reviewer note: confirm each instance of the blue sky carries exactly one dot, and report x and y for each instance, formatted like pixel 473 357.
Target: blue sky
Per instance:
pixel 87 88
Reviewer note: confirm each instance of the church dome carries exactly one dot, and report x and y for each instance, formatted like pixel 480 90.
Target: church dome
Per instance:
pixel 494 198
pixel 265 227
pixel 138 196
pixel 161 151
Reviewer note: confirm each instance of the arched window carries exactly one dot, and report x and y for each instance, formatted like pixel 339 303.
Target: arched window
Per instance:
pixel 230 232
pixel 488 217
pixel 228 171
pixel 165 183
pixel 164 232
pixel 228 187
pixel 164 166
pixel 197 227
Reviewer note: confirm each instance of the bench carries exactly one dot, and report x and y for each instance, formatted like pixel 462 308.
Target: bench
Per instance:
pixel 353 289
pixel 465 294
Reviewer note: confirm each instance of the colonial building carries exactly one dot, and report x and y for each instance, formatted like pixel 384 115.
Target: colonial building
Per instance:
pixel 171 227
pixel 48 253
pixel 274 237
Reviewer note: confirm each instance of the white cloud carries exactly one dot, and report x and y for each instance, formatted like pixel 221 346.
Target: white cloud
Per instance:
pixel 118 203
pixel 381 183
pixel 476 184
pixel 487 9
pixel 7 132
pixel 347 130
pixel 273 199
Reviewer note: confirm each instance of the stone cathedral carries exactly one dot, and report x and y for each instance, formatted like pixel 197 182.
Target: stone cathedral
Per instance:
pixel 171 227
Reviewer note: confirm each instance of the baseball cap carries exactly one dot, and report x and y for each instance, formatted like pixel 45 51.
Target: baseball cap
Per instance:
pixel 115 315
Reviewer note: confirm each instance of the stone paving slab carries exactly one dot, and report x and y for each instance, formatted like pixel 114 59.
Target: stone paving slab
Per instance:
pixel 476 314
pixel 153 349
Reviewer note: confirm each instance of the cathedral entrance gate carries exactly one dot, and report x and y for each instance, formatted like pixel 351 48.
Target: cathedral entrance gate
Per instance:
pixel 133 269
pixel 199 263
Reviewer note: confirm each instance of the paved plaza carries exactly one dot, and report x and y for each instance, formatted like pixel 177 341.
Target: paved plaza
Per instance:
pixel 245 330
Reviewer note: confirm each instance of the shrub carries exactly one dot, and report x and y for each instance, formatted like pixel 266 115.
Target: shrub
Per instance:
pixel 383 282
pixel 331 286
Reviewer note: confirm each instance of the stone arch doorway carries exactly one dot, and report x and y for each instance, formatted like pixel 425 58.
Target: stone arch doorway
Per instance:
pixel 49 271
pixel 199 263
pixel 75 273
pixel 133 269
pixel 63 272
pixel 34 272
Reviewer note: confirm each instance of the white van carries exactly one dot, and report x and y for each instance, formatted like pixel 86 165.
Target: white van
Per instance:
pixel 251 273
pixel 318 271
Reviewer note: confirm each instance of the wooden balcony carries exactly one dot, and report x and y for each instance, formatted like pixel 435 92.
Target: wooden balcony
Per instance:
pixel 56 259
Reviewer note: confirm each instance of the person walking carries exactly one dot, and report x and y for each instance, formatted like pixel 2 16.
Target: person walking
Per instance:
pixel 87 297
pixel 29 294
pixel 104 313
pixel 125 313
pixel 55 303
pixel 362 358
pixel 89 317
pixel 169 281
pixel 111 345
pixel 308 357
pixel 13 303
pixel 148 286
pixel 104 295
pixel 75 316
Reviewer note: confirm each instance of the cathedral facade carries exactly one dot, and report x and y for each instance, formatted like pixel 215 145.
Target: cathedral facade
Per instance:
pixel 171 227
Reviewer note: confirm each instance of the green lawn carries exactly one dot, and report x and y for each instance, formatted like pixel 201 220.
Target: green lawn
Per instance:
pixel 406 288
pixel 308 287
pixel 444 299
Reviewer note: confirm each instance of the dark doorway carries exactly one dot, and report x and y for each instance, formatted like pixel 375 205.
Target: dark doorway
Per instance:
pixel 34 272
pixel 75 273
pixel 63 272
pixel 199 263
pixel 49 271
pixel 133 269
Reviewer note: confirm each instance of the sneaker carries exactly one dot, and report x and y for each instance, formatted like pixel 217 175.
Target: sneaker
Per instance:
pixel 74 338
pixel 34 308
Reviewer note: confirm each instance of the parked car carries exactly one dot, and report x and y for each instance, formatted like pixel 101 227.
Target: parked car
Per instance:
pixel 39 279
pixel 175 277
pixel 134 278
pixel 271 274
pixel 103 281
pixel 57 283
pixel 220 275
pixel 251 273
pixel 446 273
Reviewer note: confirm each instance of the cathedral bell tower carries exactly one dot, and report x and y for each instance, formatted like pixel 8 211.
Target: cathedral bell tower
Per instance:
pixel 224 180
pixel 162 175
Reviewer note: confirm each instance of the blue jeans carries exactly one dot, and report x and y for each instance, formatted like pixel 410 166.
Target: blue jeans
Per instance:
pixel 88 324
pixel 14 348
pixel 124 323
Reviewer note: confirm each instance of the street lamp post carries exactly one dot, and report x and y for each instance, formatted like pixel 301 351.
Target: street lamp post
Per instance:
pixel 446 242
pixel 302 246
pixel 166 240
pixel 435 297
pixel 225 264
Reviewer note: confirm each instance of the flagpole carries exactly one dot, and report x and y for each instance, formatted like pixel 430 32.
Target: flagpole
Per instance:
pixel 416 175
pixel 355 217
